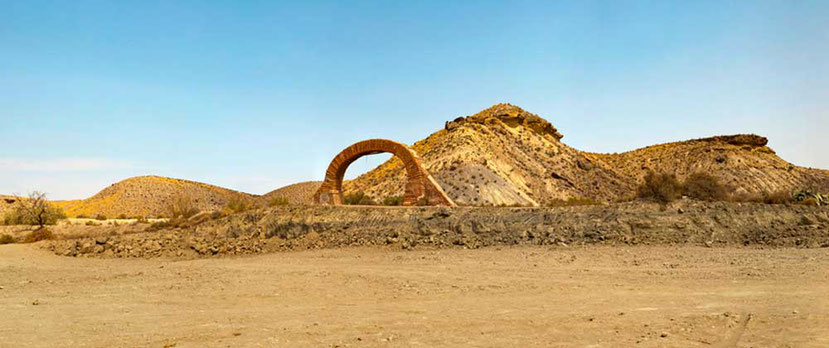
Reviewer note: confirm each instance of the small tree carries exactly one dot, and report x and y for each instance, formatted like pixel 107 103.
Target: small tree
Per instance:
pixel 35 211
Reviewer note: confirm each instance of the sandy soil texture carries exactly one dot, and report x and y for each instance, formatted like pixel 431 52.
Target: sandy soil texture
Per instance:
pixel 596 296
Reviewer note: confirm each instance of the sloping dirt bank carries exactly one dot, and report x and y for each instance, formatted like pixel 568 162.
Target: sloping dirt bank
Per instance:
pixel 312 227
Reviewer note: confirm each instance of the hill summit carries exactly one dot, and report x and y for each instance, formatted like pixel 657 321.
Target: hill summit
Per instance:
pixel 150 196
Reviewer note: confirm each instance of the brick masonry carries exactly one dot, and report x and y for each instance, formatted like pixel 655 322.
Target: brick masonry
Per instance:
pixel 421 188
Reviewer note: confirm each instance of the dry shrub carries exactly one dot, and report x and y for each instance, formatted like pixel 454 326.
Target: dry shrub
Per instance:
pixel 181 206
pixel 278 201
pixel 705 187
pixel 100 217
pixel 122 217
pixel 92 223
pixel 6 239
pixel 38 235
pixel 238 205
pixel 393 200
pixel 34 210
pixel 572 201
pixel 660 187
pixel 777 197
pixel 746 197
pixel 358 198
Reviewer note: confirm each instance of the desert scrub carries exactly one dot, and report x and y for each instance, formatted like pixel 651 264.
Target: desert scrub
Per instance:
pixel 661 187
pixel 572 201
pixel 38 235
pixel 6 239
pixel 100 217
pixel 238 205
pixel 705 187
pixel 393 200
pixel 34 210
pixel 278 201
pixel 358 198
pixel 181 205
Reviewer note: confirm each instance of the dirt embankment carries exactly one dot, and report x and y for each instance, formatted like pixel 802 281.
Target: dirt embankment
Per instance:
pixel 311 227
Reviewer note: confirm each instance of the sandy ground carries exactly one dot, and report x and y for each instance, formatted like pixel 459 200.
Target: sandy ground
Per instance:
pixel 513 296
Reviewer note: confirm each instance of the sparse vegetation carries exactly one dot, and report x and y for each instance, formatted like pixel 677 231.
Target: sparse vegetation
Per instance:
pixel 6 239
pixel 38 235
pixel 393 200
pixel 777 197
pixel 705 187
pixel 358 198
pixel 278 201
pixel 34 210
pixel 660 187
pixel 100 217
pixel 572 201
pixel 181 205
pixel 238 205
pixel 122 216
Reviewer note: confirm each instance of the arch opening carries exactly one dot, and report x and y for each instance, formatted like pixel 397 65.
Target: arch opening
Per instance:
pixel 420 187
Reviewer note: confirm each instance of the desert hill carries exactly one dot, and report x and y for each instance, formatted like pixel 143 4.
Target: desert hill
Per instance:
pixel 6 202
pixel 506 155
pixel 501 155
pixel 150 196
pixel 744 162
pixel 299 193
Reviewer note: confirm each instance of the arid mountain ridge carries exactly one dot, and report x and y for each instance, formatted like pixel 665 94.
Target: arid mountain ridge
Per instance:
pixel 502 155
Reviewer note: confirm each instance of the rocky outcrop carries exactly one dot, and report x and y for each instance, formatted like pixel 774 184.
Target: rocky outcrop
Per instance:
pixel 510 115
pixel 309 227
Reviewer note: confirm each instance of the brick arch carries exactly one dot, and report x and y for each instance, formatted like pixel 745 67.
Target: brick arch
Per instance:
pixel 419 183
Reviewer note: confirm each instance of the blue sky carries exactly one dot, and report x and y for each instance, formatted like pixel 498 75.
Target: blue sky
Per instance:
pixel 253 95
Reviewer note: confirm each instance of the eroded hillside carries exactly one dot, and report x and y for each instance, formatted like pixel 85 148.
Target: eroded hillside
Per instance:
pixel 505 155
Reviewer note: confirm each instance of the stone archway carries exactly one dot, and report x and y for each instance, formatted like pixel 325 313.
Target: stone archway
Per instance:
pixel 420 186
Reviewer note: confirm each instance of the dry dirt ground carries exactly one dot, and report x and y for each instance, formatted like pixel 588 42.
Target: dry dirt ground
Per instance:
pixel 592 296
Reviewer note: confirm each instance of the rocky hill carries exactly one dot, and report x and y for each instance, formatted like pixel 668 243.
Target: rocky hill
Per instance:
pixel 744 162
pixel 505 155
pixel 150 196
pixel 299 193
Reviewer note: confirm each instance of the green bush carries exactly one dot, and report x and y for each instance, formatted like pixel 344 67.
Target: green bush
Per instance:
pixel 358 198
pixel 393 200
pixel 6 239
pixel 705 187
pixel 660 187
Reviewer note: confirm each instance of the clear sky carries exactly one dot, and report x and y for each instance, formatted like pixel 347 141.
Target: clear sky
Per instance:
pixel 253 95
